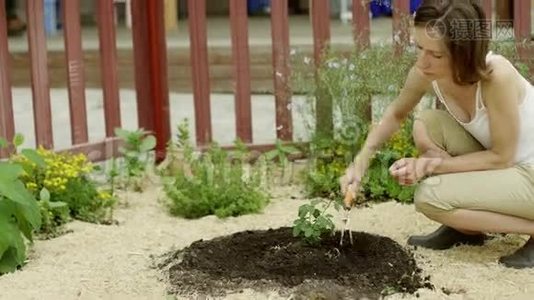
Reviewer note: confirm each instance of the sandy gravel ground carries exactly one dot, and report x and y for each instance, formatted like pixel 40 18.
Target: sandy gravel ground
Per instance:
pixel 114 262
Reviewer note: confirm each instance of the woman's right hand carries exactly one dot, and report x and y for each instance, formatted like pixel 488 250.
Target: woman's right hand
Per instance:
pixel 351 183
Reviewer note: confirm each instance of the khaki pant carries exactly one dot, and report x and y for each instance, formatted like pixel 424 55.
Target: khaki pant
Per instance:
pixel 507 191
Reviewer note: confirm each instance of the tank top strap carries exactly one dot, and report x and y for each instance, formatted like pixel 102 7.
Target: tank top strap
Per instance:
pixel 478 97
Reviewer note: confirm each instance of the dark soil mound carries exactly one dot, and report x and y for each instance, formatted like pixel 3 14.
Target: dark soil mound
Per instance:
pixel 275 259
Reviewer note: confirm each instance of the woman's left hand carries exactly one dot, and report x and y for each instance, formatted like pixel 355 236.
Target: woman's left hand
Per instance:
pixel 408 171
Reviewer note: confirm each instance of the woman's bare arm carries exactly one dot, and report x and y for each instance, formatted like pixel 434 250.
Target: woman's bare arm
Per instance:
pixel 415 87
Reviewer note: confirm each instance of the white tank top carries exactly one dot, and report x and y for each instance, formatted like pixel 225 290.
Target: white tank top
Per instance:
pixel 480 129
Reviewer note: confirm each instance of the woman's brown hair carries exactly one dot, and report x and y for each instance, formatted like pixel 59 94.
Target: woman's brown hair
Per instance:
pixel 465 31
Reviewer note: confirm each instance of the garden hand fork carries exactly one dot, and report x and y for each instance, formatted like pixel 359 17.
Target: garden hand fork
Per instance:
pixel 349 197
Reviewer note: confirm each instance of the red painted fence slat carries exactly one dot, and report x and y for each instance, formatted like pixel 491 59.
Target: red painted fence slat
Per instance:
pixel 361 23
pixel 141 53
pixel 401 24
pixel 200 70
pixel 488 8
pixel 108 61
pixel 75 71
pixel 522 31
pixel 281 69
pixel 39 74
pixel 522 21
pixel 158 77
pixel 241 59
pixel 320 15
pixel 7 124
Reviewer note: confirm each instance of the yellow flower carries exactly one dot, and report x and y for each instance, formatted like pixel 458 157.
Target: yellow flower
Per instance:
pixel 31 186
pixel 104 195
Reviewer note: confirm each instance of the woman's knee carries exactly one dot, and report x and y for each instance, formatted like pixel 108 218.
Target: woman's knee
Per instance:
pixel 428 202
pixel 425 133
pixel 420 137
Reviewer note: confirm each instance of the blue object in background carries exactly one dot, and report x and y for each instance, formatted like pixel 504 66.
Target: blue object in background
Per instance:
pixel 50 17
pixel 257 6
pixel 383 7
pixel 414 5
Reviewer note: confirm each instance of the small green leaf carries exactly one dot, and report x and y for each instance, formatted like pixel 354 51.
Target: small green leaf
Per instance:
pixel 316 201
pixel 148 143
pixel 18 140
pixel 131 154
pixel 271 155
pixel 290 149
pixel 34 157
pixel 44 195
pixel 122 133
pixel 303 210
pixel 296 231
pixel 57 204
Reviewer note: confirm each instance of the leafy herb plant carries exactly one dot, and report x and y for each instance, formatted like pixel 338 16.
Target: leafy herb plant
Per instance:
pixel 136 155
pixel 213 183
pixel 314 222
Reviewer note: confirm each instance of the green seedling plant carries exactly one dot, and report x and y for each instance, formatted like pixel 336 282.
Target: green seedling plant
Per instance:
pixel 184 140
pixel 240 151
pixel 19 211
pixel 53 214
pixel 280 154
pixel 313 221
pixel 180 152
pixel 136 152
pixel 112 176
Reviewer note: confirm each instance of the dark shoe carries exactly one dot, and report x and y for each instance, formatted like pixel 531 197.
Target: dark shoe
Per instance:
pixel 522 258
pixel 446 237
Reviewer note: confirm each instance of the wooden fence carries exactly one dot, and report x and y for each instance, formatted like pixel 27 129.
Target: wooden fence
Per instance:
pixel 149 47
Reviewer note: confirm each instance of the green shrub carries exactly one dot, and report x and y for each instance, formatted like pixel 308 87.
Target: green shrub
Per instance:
pixel 67 178
pixel 213 184
pixel 85 202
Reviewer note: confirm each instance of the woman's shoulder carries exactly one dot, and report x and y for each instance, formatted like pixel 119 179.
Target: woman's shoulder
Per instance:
pixel 502 75
pixel 500 70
